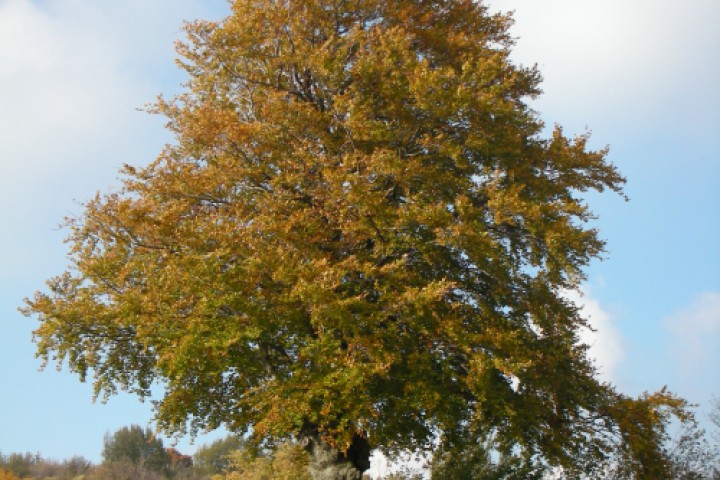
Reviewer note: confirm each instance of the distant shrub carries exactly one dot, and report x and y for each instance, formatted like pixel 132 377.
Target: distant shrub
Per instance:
pixel 6 475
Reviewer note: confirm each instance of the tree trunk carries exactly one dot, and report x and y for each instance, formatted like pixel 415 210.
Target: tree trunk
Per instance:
pixel 329 463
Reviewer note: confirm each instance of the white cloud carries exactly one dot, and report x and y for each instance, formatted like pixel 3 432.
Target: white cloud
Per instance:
pixel 609 56
pixel 604 339
pixel 69 83
pixel 72 75
pixel 695 337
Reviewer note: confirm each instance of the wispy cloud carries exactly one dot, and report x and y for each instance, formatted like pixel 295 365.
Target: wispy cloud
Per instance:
pixel 695 334
pixel 604 339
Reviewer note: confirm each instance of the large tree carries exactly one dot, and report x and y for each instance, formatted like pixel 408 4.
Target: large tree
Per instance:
pixel 359 238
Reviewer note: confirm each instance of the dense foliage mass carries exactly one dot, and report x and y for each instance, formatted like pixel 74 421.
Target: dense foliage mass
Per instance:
pixel 360 237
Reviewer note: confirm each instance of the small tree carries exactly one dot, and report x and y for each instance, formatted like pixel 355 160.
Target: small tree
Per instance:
pixel 715 417
pixel 692 456
pixel 215 457
pixel 138 446
pixel 360 238
pixel 76 466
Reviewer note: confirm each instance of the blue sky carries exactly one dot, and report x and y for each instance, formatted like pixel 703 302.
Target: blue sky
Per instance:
pixel 642 75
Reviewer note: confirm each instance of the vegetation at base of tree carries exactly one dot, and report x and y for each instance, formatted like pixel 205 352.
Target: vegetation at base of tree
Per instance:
pixel 361 238
pixel 129 453
pixel 288 461
pixel 693 452
pixel 214 457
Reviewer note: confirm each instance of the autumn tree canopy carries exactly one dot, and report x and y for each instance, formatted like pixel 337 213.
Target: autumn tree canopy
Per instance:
pixel 360 237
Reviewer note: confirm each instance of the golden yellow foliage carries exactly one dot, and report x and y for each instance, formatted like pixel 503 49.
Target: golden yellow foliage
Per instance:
pixel 287 462
pixel 5 475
